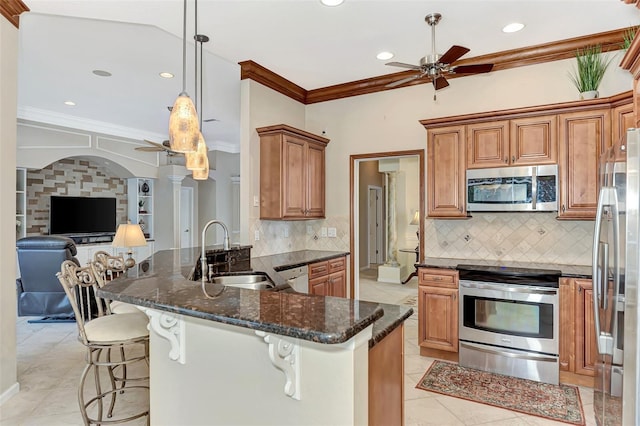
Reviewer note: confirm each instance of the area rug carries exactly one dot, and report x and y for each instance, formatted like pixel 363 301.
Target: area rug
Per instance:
pixel 560 403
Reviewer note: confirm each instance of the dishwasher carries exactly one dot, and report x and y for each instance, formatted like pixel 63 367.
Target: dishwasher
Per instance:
pixel 297 278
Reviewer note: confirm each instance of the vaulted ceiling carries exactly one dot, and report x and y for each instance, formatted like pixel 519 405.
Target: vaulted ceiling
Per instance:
pixel 310 45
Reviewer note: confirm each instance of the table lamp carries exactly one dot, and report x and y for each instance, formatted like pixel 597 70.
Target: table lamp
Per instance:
pixel 416 221
pixel 129 235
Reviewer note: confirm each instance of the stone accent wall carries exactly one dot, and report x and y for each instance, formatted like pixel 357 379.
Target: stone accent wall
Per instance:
pixel 71 177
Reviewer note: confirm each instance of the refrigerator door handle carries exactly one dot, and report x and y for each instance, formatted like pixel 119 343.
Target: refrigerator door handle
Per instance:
pixel 604 343
pixel 603 277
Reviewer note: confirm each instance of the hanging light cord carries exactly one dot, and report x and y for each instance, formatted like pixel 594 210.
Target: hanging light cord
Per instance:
pixel 184 48
pixel 195 54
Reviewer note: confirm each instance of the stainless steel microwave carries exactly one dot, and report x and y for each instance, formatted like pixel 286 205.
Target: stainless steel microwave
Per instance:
pixel 505 189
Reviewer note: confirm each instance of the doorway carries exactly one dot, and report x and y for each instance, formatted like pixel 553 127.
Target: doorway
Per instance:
pixel 356 201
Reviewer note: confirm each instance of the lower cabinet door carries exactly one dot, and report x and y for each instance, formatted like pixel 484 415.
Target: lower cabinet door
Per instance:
pixel 438 318
pixel 338 284
pixel 319 286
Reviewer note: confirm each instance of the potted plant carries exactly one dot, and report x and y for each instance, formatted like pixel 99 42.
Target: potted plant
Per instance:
pixel 591 66
pixel 141 206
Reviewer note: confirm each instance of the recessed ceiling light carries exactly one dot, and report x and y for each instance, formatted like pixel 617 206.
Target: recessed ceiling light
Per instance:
pixel 102 73
pixel 70 103
pixel 513 27
pixel 332 2
pixel 166 75
pixel 383 56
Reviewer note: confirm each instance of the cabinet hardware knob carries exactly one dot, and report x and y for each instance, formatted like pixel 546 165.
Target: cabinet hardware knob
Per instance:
pixel 506 160
pixel 579 289
pixel 454 296
pixel 513 159
pixel 563 208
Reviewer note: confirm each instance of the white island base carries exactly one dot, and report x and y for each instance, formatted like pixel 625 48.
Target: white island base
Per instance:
pixel 208 373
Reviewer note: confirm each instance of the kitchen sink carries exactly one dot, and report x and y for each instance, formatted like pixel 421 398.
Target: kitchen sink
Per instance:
pixel 250 281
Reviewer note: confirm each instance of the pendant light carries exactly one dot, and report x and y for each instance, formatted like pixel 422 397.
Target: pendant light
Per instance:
pixel 184 128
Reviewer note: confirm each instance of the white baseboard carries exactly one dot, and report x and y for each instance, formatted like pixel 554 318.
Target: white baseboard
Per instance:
pixel 6 395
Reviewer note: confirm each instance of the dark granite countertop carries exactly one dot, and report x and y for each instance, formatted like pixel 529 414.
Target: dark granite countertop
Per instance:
pixel 159 282
pixel 571 271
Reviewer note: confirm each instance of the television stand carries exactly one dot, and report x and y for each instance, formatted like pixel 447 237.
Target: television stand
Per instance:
pixel 91 238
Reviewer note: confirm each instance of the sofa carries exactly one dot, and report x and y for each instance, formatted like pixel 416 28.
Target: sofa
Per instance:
pixel 39 291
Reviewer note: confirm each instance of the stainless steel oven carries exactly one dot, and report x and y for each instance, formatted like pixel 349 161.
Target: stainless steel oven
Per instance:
pixel 509 321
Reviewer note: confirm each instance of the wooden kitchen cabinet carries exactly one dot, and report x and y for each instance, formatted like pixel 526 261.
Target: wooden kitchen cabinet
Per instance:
pixel 386 380
pixel 578 350
pixel 292 173
pixel 446 193
pixel 517 142
pixel 438 310
pixel 584 136
pixel 328 277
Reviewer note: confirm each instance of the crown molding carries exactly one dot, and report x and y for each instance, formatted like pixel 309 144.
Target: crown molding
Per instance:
pixel 256 72
pixel 532 55
pixel 11 9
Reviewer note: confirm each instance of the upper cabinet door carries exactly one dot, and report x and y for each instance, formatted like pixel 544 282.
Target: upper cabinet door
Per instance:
pixel 534 140
pixel 315 179
pixel 488 144
pixel 583 138
pixel 446 172
pixel 294 175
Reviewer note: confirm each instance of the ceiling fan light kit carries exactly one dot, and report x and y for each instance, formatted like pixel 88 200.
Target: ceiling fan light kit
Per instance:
pixel 435 66
pixel 184 128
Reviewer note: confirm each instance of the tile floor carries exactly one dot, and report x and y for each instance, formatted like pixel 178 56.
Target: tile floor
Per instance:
pixel 50 361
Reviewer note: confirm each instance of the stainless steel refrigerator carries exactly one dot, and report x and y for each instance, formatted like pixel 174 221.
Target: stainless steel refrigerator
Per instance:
pixel 616 259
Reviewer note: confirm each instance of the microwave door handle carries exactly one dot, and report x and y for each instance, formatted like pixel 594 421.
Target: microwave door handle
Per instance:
pixel 534 187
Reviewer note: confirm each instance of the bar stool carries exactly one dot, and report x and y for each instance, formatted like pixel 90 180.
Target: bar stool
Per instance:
pixel 101 333
pixel 106 267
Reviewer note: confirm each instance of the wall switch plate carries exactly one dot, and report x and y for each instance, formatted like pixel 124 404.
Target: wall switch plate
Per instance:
pixel 286 232
pixel 257 235
pixel 323 231
pixel 331 232
pixel 256 201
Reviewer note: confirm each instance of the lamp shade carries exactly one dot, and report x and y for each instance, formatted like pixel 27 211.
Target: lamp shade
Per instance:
pixel 184 130
pixel 129 235
pixel 416 218
pixel 198 160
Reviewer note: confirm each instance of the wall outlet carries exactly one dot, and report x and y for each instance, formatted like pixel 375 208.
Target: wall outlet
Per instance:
pixel 286 232
pixel 323 231
pixel 331 232
pixel 309 230
pixel 256 201
pixel 256 235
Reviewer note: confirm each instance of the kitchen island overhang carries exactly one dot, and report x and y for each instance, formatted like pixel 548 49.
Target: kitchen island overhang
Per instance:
pixel 244 356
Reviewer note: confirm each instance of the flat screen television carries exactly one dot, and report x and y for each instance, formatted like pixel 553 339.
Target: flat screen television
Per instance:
pixel 82 215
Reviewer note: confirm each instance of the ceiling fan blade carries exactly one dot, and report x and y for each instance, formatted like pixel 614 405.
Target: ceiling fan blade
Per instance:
pixel 148 149
pixel 440 83
pixel 472 69
pixel 403 65
pixel 404 80
pixel 453 54
pixel 156 144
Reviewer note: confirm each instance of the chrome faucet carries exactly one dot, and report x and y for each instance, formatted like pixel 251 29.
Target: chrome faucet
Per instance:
pixel 203 254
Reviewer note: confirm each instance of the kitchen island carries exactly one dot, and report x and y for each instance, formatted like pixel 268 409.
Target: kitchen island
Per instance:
pixel 236 356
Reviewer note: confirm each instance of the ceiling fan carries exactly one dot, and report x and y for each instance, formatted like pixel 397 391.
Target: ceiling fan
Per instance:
pixel 435 66
pixel 157 147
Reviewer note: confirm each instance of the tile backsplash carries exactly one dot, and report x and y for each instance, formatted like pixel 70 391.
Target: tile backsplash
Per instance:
pixel 528 237
pixel 283 236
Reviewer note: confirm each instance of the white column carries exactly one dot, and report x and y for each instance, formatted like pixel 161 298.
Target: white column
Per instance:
pixel 176 182
pixel 392 228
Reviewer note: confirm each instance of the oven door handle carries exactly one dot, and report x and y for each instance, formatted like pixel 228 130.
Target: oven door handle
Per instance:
pixel 514 289
pixel 509 354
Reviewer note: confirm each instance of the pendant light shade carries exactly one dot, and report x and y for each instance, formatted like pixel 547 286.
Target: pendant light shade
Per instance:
pixel 184 130
pixel 198 160
pixel 202 174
